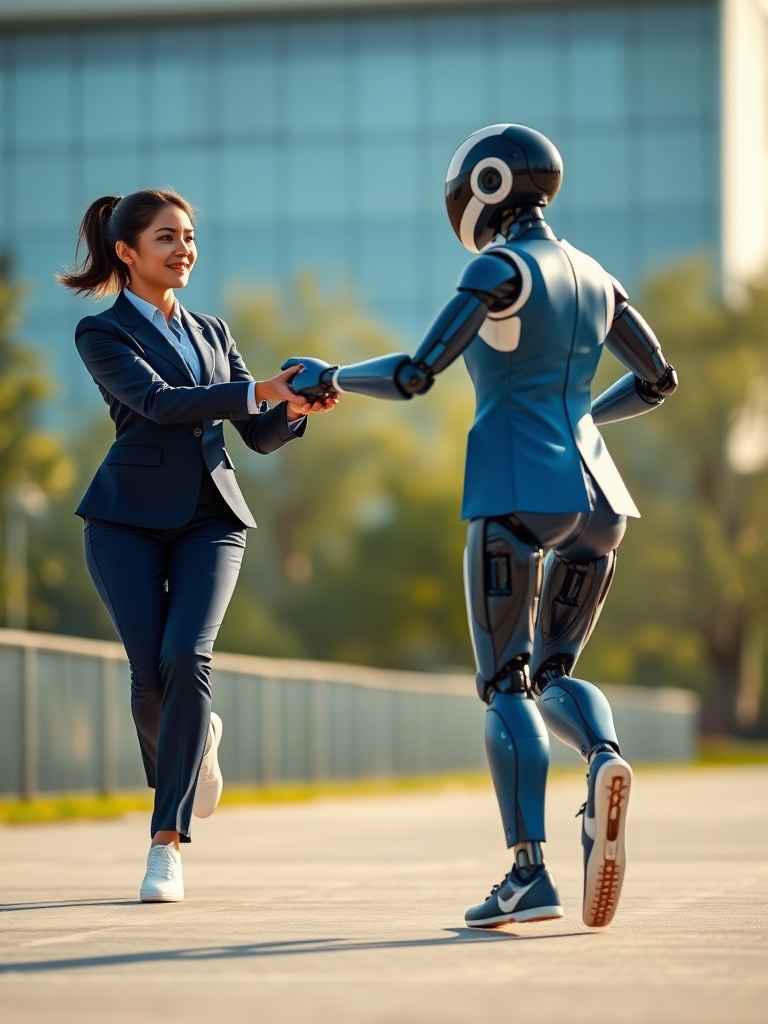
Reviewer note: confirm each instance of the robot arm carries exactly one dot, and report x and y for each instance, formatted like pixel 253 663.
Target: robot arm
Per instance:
pixel 652 379
pixel 487 281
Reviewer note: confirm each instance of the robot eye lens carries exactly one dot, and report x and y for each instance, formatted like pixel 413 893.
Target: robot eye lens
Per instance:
pixel 490 180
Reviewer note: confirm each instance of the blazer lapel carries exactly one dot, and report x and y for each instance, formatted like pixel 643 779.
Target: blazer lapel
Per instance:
pixel 149 337
pixel 196 334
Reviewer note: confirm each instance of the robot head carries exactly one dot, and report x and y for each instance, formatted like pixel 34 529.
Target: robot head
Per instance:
pixel 495 172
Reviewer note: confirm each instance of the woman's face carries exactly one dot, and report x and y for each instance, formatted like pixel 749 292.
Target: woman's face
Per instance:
pixel 165 251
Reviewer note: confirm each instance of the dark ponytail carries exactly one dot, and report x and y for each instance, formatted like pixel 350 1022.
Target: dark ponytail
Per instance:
pixel 107 221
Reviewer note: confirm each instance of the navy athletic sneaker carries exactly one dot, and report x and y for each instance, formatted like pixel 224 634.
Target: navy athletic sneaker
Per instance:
pixel 603 835
pixel 514 899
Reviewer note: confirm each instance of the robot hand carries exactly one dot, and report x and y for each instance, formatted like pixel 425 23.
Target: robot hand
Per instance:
pixel 314 381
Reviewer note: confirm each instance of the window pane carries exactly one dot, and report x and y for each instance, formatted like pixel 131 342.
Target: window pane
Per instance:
pixel 114 172
pixel 595 67
pixel 442 258
pixel 386 177
pixel 41 191
pixel 432 159
pixel 389 267
pixel 43 254
pixel 41 91
pixel 243 80
pixel 246 259
pixel 610 239
pixel 670 72
pixel 386 79
pixel 110 88
pixel 246 184
pixel 526 63
pixel 313 179
pixel 184 169
pixel 315 78
pixel 178 85
pixel 597 172
pixel 320 249
pixel 683 232
pixel 455 62
pixel 674 162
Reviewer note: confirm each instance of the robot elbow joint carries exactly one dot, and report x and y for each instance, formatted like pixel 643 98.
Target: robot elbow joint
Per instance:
pixel 413 380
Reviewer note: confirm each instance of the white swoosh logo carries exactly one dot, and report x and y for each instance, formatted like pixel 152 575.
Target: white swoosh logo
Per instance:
pixel 505 906
pixel 590 826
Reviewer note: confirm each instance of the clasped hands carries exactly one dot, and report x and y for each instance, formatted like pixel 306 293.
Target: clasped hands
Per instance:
pixel 304 384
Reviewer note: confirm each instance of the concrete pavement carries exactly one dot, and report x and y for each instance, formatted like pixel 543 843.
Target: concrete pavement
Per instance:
pixel 351 910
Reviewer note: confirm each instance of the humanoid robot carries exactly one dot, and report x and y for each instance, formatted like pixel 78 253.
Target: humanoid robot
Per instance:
pixel 545 503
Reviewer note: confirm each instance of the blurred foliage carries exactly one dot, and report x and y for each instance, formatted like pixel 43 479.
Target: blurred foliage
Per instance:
pixel 34 469
pixel 26 453
pixel 359 548
pixel 690 602
pixel 358 552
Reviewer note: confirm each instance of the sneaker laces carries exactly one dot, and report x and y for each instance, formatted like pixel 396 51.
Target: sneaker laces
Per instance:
pixel 496 888
pixel 163 864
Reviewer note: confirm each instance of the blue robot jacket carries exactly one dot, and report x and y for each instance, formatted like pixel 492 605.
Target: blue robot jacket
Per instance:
pixel 533 438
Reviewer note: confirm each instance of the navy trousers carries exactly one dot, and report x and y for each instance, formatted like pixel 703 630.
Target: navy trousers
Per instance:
pixel 166 592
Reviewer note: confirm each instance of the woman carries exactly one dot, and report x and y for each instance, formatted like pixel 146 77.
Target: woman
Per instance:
pixel 165 519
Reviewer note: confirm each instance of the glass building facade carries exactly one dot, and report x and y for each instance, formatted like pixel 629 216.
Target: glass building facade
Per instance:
pixel 320 142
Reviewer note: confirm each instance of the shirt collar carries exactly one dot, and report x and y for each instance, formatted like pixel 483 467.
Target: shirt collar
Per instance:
pixel 152 312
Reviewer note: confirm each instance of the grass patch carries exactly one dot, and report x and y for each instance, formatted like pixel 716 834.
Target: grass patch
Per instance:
pixel 75 806
pixel 723 750
pixel 71 807
pixel 713 752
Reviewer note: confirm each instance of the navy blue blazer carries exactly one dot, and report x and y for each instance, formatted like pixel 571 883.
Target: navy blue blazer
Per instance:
pixel 168 428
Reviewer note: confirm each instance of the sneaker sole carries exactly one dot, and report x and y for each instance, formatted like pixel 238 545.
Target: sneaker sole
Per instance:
pixel 205 809
pixel 608 860
pixel 155 898
pixel 519 917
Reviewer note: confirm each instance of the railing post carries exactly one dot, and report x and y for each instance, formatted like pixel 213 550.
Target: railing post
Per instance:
pixel 108 774
pixel 30 777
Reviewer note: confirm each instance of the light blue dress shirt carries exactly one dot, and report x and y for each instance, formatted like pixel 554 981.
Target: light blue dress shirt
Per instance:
pixel 173 330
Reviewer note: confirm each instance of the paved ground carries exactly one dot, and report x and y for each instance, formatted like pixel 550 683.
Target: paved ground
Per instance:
pixel 351 911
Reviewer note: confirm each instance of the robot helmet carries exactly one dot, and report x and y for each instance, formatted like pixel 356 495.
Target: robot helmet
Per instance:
pixel 494 172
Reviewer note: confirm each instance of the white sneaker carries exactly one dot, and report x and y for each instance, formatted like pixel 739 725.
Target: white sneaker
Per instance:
pixel 163 882
pixel 210 781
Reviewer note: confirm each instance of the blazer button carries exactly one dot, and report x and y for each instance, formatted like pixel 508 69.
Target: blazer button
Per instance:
pixel 197 431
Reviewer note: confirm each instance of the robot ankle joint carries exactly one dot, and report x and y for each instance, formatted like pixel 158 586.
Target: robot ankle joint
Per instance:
pixel 528 859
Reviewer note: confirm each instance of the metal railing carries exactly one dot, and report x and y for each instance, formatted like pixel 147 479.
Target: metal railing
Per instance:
pixel 65 721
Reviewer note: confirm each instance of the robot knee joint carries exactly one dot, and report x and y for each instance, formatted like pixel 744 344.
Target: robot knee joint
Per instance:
pixel 554 668
pixel 514 678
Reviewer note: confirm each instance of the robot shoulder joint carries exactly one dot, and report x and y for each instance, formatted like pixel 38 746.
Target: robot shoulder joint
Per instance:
pixel 497 274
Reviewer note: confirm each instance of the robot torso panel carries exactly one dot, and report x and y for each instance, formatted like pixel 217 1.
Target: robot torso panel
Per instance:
pixel 532 364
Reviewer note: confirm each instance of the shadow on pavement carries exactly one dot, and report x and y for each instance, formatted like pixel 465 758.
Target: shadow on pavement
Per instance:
pixel 288 948
pixel 8 908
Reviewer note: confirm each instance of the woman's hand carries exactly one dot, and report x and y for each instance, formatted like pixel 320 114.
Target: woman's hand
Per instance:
pixel 301 407
pixel 277 389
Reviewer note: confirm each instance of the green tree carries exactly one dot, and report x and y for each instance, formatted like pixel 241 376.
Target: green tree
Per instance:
pixel 33 467
pixel 358 552
pixel 690 602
